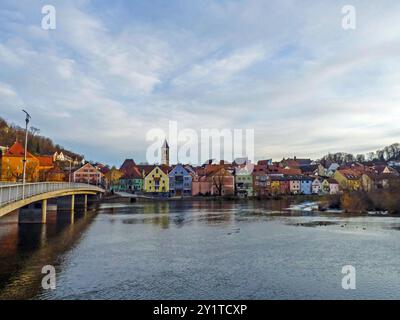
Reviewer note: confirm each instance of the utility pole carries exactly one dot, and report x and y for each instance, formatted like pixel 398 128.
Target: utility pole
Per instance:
pixel 27 118
pixel 70 170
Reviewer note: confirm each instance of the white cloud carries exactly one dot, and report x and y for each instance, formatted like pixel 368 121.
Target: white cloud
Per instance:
pixel 99 82
pixel 218 71
pixel 6 90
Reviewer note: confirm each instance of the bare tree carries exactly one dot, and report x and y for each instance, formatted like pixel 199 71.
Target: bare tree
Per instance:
pixel 218 180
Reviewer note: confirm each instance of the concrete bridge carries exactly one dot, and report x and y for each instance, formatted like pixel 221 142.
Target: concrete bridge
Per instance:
pixel 32 198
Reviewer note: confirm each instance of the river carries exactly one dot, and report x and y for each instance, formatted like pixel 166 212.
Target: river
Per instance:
pixel 201 250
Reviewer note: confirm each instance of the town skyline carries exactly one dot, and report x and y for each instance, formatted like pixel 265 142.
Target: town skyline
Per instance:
pixel 19 137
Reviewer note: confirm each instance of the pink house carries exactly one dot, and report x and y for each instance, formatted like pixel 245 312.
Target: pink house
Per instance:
pixel 201 186
pixel 87 174
pixel 213 181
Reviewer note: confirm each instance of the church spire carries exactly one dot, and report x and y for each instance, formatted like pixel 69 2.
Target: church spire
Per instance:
pixel 165 153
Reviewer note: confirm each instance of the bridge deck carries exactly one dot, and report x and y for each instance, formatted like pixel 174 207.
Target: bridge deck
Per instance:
pixel 17 195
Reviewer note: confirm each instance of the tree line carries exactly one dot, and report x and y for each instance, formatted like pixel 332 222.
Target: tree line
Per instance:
pixel 388 153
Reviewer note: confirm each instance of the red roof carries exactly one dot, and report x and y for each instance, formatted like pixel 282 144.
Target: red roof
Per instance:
pixel 127 166
pixel 56 170
pixel 17 150
pixel 45 161
pixel 291 171
pixel 134 173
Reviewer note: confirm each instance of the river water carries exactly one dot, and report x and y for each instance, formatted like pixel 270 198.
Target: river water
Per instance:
pixel 201 250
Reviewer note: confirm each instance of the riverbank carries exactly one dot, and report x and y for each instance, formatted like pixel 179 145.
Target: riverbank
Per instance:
pixel 349 203
pixel 297 198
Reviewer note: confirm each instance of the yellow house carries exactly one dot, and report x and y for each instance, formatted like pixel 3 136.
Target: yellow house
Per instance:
pixel 348 179
pixel 157 180
pixel 12 164
pixel 275 185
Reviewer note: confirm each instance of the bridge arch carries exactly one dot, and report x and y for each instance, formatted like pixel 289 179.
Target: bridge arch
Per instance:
pixel 16 196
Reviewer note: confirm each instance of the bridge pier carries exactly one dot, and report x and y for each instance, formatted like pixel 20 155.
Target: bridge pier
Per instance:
pixel 33 213
pixel 92 200
pixel 66 208
pixel 81 202
pixel 66 203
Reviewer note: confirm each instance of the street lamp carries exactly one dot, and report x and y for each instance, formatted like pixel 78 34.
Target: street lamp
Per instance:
pixel 27 118
pixel 70 170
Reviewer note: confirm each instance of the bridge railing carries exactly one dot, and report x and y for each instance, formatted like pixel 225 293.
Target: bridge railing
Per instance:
pixel 12 192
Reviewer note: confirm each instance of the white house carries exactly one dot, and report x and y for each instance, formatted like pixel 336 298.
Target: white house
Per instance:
pixel 316 186
pixel 333 186
pixel 295 185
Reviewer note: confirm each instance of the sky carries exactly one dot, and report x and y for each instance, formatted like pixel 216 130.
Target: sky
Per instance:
pixel 112 71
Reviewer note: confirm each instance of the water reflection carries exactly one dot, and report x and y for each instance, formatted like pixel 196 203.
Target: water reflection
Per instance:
pixel 198 250
pixel 26 248
pixel 221 213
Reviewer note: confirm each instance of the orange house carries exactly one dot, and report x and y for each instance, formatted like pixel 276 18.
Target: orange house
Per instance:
pixel 56 175
pixel 46 164
pixel 12 165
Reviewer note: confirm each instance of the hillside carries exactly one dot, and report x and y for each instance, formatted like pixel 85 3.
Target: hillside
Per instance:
pixel 37 144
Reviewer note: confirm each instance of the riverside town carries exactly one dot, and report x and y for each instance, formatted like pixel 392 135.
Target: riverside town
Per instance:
pixel 340 181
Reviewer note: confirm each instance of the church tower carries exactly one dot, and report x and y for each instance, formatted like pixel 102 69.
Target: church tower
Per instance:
pixel 165 153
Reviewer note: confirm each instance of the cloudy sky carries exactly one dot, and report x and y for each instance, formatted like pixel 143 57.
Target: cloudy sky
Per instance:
pixel 111 71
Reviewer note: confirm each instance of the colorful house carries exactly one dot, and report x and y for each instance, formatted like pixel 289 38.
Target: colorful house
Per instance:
pixel 261 184
pixel 87 174
pixel 330 171
pixel 333 186
pixel 306 185
pixel 222 182
pixel 325 187
pixel 12 164
pixel 180 181
pixel 295 184
pixel 244 181
pixel 46 163
pixel 276 184
pixel 215 180
pixel 316 186
pixel 131 181
pixel 284 185
pixel 201 186
pixel 56 174
pixel 348 179
pixel 157 181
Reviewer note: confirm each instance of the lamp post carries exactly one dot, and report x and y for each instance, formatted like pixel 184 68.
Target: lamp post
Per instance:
pixel 70 171
pixel 27 118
